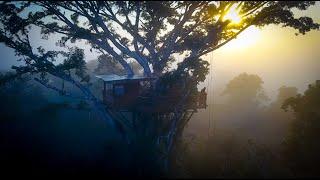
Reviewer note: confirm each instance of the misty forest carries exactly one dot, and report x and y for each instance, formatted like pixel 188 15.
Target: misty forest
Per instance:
pixel 173 89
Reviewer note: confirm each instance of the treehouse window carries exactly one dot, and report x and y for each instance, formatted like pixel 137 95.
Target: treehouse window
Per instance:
pixel 118 90
pixel 108 87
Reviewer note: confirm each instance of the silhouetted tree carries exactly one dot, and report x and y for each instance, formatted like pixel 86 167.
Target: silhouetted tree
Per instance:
pixel 302 144
pixel 245 90
pixel 277 121
pixel 107 65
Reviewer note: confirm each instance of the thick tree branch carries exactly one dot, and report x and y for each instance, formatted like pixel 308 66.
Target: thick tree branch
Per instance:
pixel 220 45
pixel 167 47
pixel 60 91
pixel 133 33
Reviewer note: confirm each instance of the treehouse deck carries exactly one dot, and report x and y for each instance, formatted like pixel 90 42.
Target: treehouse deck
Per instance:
pixel 165 103
pixel 131 94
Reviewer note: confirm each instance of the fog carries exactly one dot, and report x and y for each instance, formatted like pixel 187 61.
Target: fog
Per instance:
pixel 224 140
pixel 234 128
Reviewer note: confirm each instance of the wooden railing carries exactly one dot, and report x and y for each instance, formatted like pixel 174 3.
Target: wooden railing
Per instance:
pixel 163 102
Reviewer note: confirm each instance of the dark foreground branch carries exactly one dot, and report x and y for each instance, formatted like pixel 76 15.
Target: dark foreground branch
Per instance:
pixel 60 91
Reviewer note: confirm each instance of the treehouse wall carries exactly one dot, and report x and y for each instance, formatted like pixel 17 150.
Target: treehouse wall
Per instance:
pixel 121 95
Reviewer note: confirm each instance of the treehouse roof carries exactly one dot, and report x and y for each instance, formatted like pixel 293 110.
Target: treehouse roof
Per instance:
pixel 115 78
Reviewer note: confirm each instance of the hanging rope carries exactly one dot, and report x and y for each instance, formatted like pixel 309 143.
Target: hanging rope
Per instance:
pixel 208 90
pixel 210 95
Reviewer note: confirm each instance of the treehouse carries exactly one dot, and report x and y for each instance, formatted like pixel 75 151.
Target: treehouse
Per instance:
pixel 137 93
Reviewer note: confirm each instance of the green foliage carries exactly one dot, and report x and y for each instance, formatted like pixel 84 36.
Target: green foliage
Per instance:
pixel 302 144
pixel 227 155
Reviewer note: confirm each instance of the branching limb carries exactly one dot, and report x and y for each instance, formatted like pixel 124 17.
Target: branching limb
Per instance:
pixel 60 91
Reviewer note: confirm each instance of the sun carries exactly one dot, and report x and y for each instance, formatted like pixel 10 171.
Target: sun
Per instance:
pixel 233 15
pixel 248 37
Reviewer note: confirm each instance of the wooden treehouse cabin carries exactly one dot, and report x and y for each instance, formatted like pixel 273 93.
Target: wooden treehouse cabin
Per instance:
pixel 136 93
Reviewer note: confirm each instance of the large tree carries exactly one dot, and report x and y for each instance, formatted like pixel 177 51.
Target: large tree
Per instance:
pixel 154 34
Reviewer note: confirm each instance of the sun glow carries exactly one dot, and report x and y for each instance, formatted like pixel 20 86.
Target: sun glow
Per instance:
pixel 246 39
pixel 233 15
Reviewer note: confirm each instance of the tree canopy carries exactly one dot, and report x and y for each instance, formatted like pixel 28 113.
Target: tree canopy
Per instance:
pixel 152 33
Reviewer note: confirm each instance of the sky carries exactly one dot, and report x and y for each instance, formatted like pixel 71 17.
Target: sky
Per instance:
pixel 274 53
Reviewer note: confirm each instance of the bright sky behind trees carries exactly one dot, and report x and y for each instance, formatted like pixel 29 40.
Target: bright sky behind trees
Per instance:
pixel 274 53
